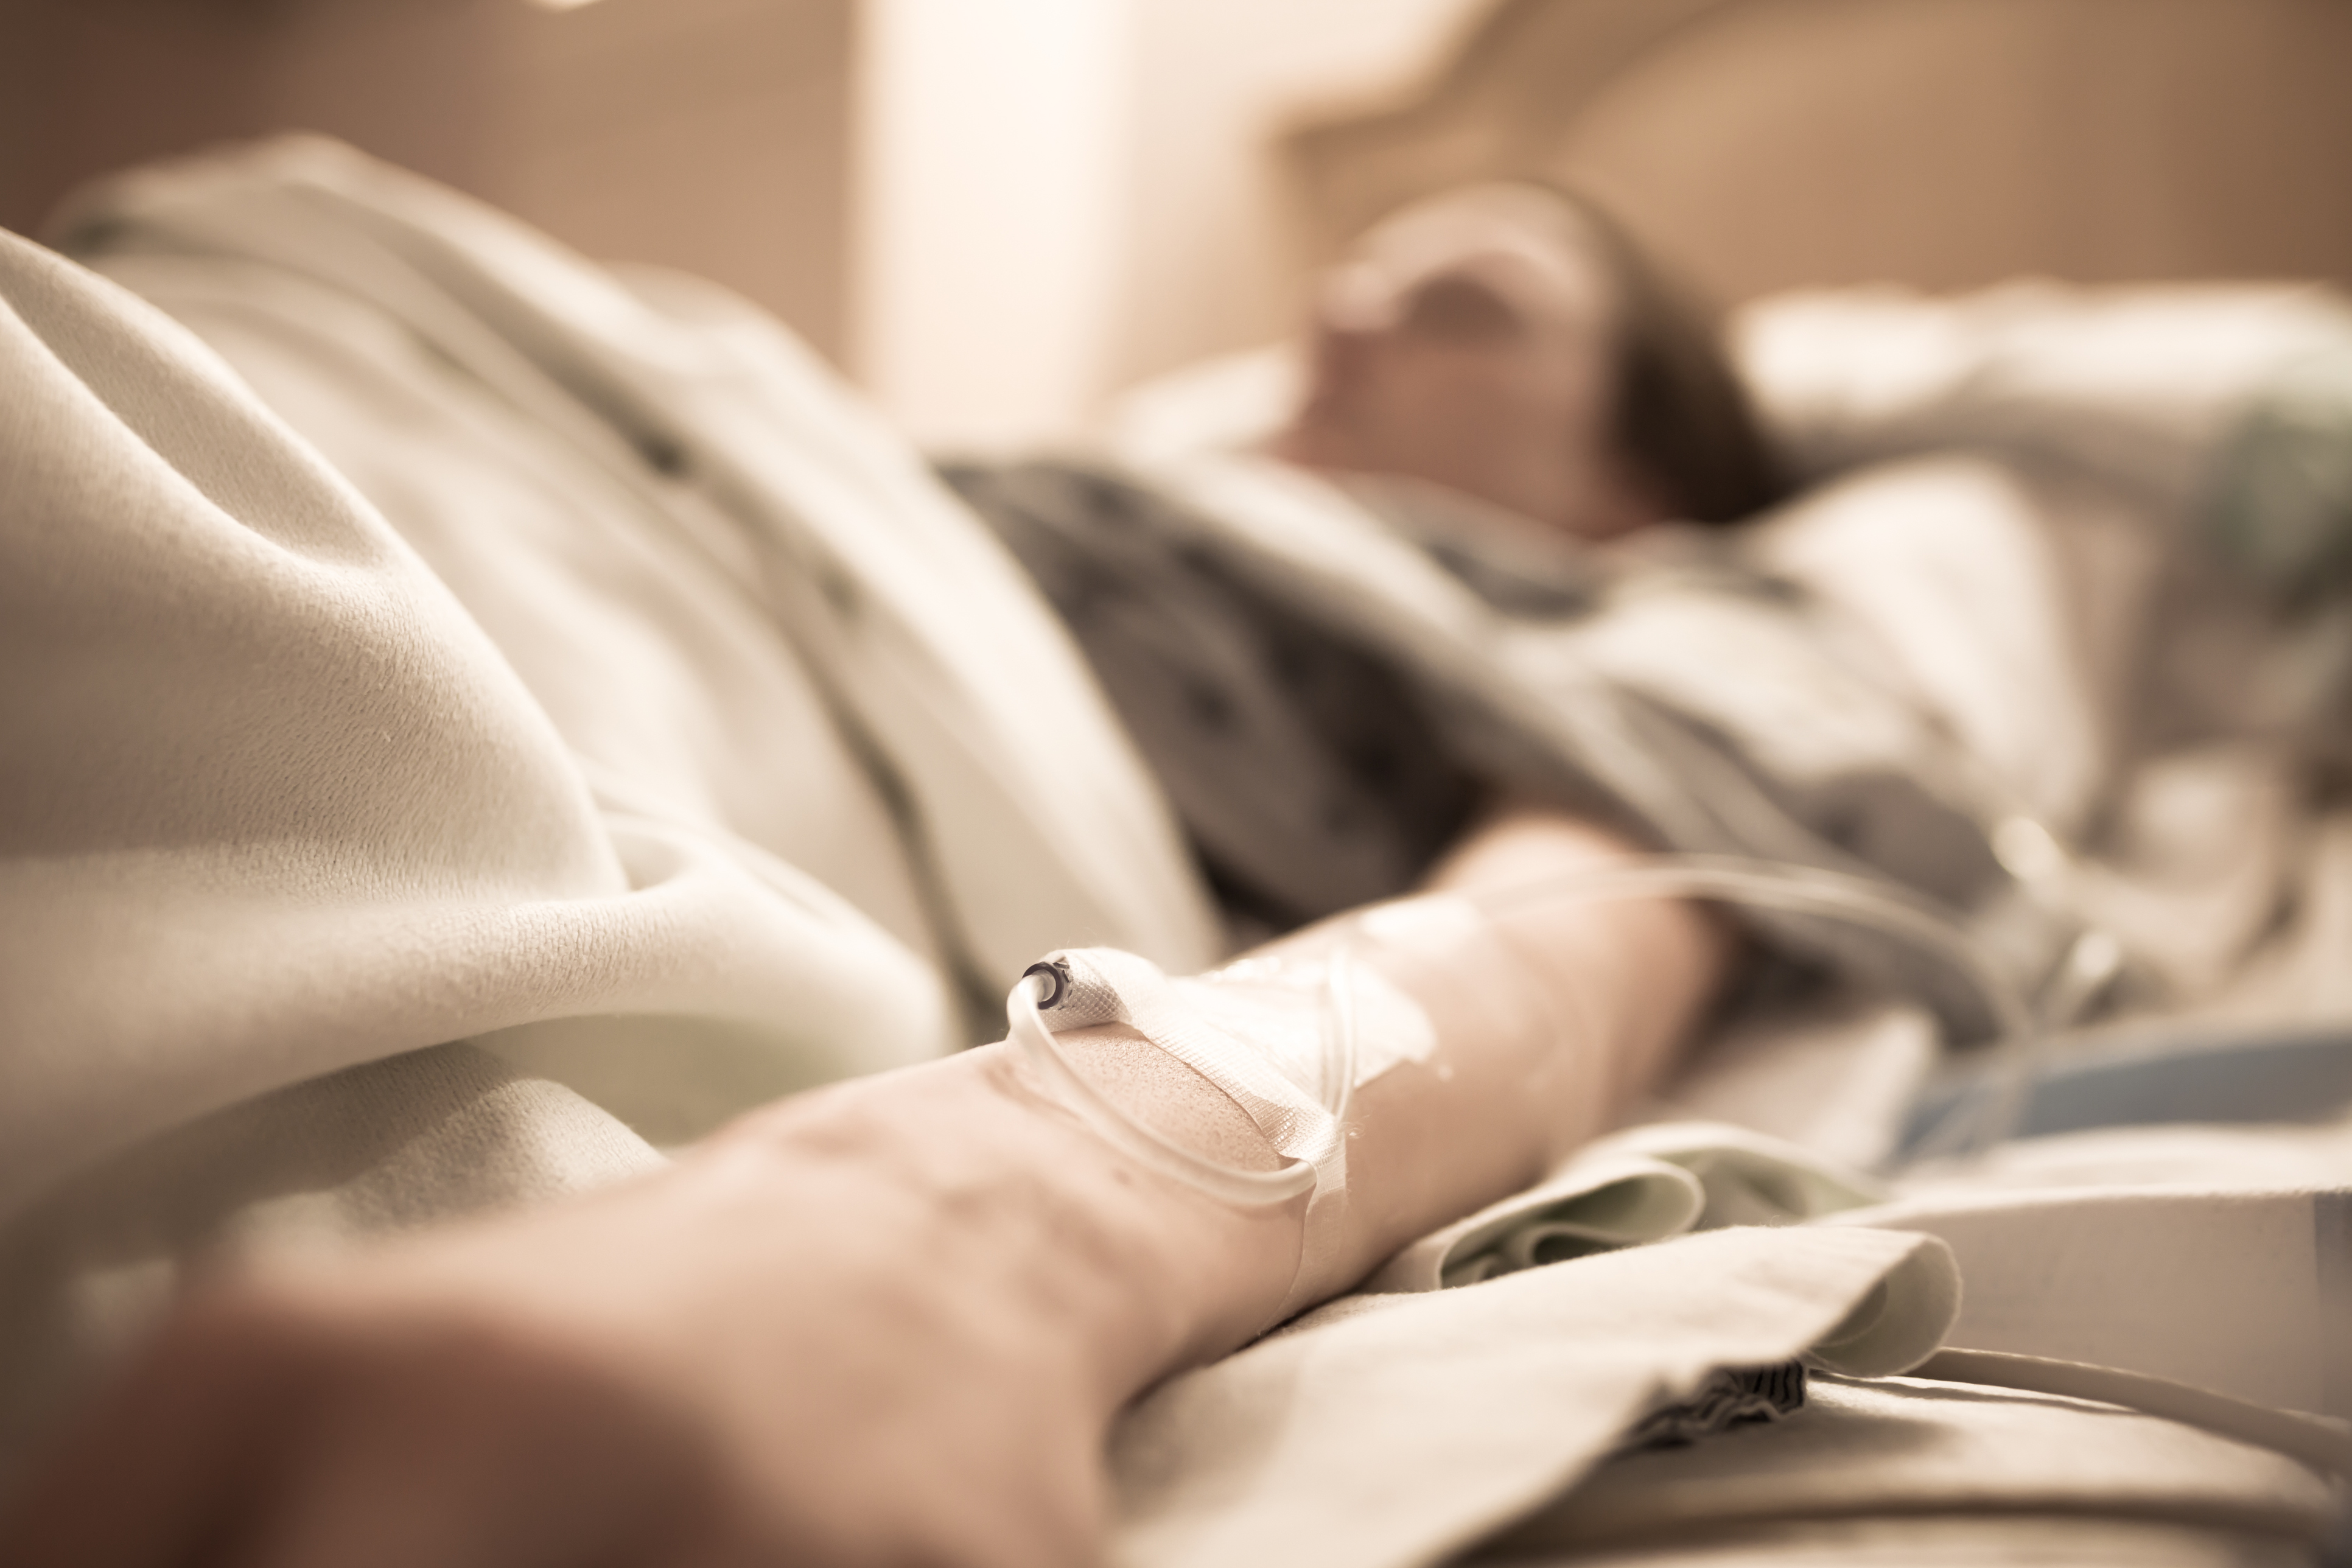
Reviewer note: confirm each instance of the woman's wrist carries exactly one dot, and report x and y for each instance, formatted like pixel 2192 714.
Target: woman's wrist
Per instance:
pixel 995 1186
pixel 890 1321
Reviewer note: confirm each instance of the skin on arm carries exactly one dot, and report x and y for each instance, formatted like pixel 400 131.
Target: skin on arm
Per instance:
pixel 884 1322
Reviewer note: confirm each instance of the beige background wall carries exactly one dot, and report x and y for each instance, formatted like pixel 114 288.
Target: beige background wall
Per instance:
pixel 1950 144
pixel 711 135
pixel 997 212
pixel 994 212
pixel 1955 142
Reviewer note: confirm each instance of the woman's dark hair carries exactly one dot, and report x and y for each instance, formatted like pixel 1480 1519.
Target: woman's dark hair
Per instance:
pixel 1682 416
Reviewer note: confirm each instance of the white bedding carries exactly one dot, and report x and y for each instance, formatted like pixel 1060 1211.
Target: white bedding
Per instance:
pixel 317 771
pixel 289 791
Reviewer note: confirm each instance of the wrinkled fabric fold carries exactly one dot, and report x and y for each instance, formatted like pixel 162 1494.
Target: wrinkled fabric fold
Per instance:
pixel 1389 1431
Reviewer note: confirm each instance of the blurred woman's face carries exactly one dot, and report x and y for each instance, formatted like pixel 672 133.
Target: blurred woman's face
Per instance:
pixel 1471 343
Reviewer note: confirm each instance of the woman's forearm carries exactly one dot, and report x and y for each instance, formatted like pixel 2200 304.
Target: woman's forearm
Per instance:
pixel 889 1321
pixel 1553 1018
pixel 1550 1019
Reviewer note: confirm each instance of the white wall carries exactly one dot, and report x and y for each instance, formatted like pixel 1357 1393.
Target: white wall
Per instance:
pixel 1212 265
pixel 991 137
pixel 1057 196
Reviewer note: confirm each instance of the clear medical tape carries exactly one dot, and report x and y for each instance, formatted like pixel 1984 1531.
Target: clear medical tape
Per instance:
pixel 1234 1184
pixel 1977 1122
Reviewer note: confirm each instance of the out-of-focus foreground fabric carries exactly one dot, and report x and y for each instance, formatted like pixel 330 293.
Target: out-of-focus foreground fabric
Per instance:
pixel 610 695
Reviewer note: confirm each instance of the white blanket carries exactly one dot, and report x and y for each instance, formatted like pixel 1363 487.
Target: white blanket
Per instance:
pixel 765 685
pixel 661 622
pixel 533 738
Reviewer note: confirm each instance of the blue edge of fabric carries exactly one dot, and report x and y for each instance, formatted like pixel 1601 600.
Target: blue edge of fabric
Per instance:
pixel 2172 1074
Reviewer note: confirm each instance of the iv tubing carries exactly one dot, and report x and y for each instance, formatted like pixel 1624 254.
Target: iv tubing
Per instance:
pixel 1753 883
pixel 1233 1184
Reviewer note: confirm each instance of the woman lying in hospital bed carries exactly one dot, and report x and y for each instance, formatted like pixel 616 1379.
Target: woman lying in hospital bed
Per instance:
pixel 2049 640
pixel 294 821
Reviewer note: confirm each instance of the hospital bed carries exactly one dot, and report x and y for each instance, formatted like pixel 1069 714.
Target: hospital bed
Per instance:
pixel 1769 144
pixel 1948 146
